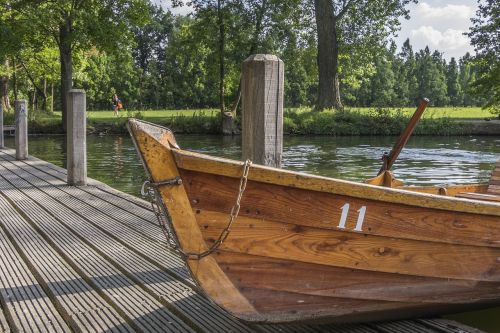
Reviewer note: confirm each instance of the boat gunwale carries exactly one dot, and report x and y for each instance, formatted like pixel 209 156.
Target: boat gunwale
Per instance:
pixel 187 160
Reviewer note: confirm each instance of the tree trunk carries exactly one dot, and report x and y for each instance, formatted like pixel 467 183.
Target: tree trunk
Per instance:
pixel 44 101
pixel 253 47
pixel 52 97
pixel 14 78
pixel 66 67
pixel 228 121
pixel 220 22
pixel 328 54
pixel 4 89
pixel 4 92
pixel 34 101
pixel 36 88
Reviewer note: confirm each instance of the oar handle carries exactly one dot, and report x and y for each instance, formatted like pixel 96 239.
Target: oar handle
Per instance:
pixel 390 158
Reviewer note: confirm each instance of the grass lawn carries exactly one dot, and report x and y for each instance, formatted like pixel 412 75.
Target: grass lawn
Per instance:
pixel 158 115
pixel 149 115
pixel 194 117
pixel 442 112
pixel 301 121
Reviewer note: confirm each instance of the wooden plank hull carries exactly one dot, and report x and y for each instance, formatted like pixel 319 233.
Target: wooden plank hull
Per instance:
pixel 313 248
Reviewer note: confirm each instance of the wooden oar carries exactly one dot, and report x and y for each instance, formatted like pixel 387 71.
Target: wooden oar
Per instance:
pixel 390 158
pixel 384 176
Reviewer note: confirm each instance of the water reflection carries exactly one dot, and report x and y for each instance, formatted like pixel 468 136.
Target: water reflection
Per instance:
pixel 424 160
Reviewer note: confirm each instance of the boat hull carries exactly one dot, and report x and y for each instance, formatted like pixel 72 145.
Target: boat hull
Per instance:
pixel 311 248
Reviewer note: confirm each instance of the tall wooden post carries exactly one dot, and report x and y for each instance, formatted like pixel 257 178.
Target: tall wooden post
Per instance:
pixel 21 135
pixel 77 138
pixel 2 144
pixel 262 109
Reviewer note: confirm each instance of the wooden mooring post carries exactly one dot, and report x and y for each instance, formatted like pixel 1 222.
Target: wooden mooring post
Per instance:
pixel 77 138
pixel 262 105
pixel 21 134
pixel 2 144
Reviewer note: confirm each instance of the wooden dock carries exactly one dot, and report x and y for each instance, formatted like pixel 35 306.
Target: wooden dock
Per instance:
pixel 92 259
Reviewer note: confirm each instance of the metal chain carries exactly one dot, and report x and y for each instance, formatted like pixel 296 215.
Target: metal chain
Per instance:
pixel 148 190
pixel 165 221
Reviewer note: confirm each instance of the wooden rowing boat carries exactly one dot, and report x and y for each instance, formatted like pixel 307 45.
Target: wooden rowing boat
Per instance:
pixel 305 247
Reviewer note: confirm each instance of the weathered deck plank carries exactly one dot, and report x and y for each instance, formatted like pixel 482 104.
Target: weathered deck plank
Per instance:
pixel 4 326
pixel 181 297
pixel 447 326
pixel 122 198
pixel 140 308
pixel 139 220
pixel 94 240
pixel 402 327
pixel 122 232
pixel 79 304
pixel 22 298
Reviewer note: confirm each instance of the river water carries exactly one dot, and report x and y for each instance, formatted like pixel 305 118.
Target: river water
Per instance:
pixel 424 161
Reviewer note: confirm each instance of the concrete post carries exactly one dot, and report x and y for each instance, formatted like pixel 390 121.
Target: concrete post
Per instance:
pixel 2 144
pixel 21 135
pixel 262 109
pixel 77 138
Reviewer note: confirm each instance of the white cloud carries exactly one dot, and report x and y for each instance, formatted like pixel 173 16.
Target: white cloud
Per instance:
pixel 448 11
pixel 440 24
pixel 447 40
pixel 167 5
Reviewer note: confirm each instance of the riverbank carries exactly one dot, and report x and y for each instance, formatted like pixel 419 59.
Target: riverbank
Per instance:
pixel 297 121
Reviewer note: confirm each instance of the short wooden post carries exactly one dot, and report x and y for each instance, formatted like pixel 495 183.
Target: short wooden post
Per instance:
pixel 21 135
pixel 2 144
pixel 77 138
pixel 262 109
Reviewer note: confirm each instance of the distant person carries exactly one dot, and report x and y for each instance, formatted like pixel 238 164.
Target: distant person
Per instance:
pixel 117 104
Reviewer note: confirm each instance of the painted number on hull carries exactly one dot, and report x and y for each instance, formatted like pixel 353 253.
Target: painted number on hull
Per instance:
pixel 345 212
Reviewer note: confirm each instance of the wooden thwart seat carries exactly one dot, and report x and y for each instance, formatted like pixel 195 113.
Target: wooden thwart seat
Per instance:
pixel 493 191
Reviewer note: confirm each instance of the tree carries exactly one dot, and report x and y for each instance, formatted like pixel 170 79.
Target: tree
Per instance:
pixel 219 8
pixel 10 43
pixel 430 77
pixel 301 73
pixel 190 72
pixel 400 84
pixel 350 26
pixel 150 54
pixel 437 77
pixel 486 40
pixel 242 27
pixel 453 83
pixel 76 25
pixel 4 85
pixel 409 70
pixel 382 83
pixel 216 14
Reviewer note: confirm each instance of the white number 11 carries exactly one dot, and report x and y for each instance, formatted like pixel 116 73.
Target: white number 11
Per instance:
pixel 345 212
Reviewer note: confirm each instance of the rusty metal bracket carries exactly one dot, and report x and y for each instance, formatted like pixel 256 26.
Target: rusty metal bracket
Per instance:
pixel 148 183
pixel 174 181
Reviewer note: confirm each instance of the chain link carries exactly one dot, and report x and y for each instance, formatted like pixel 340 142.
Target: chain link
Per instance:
pixel 150 189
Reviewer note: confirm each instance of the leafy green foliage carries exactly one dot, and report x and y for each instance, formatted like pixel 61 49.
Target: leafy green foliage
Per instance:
pixel 153 59
pixel 485 37
pixel 379 121
pixel 71 26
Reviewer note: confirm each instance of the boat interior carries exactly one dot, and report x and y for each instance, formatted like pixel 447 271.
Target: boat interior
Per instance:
pixel 483 192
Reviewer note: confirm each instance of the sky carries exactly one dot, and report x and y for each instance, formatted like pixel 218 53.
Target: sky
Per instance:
pixel 439 24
